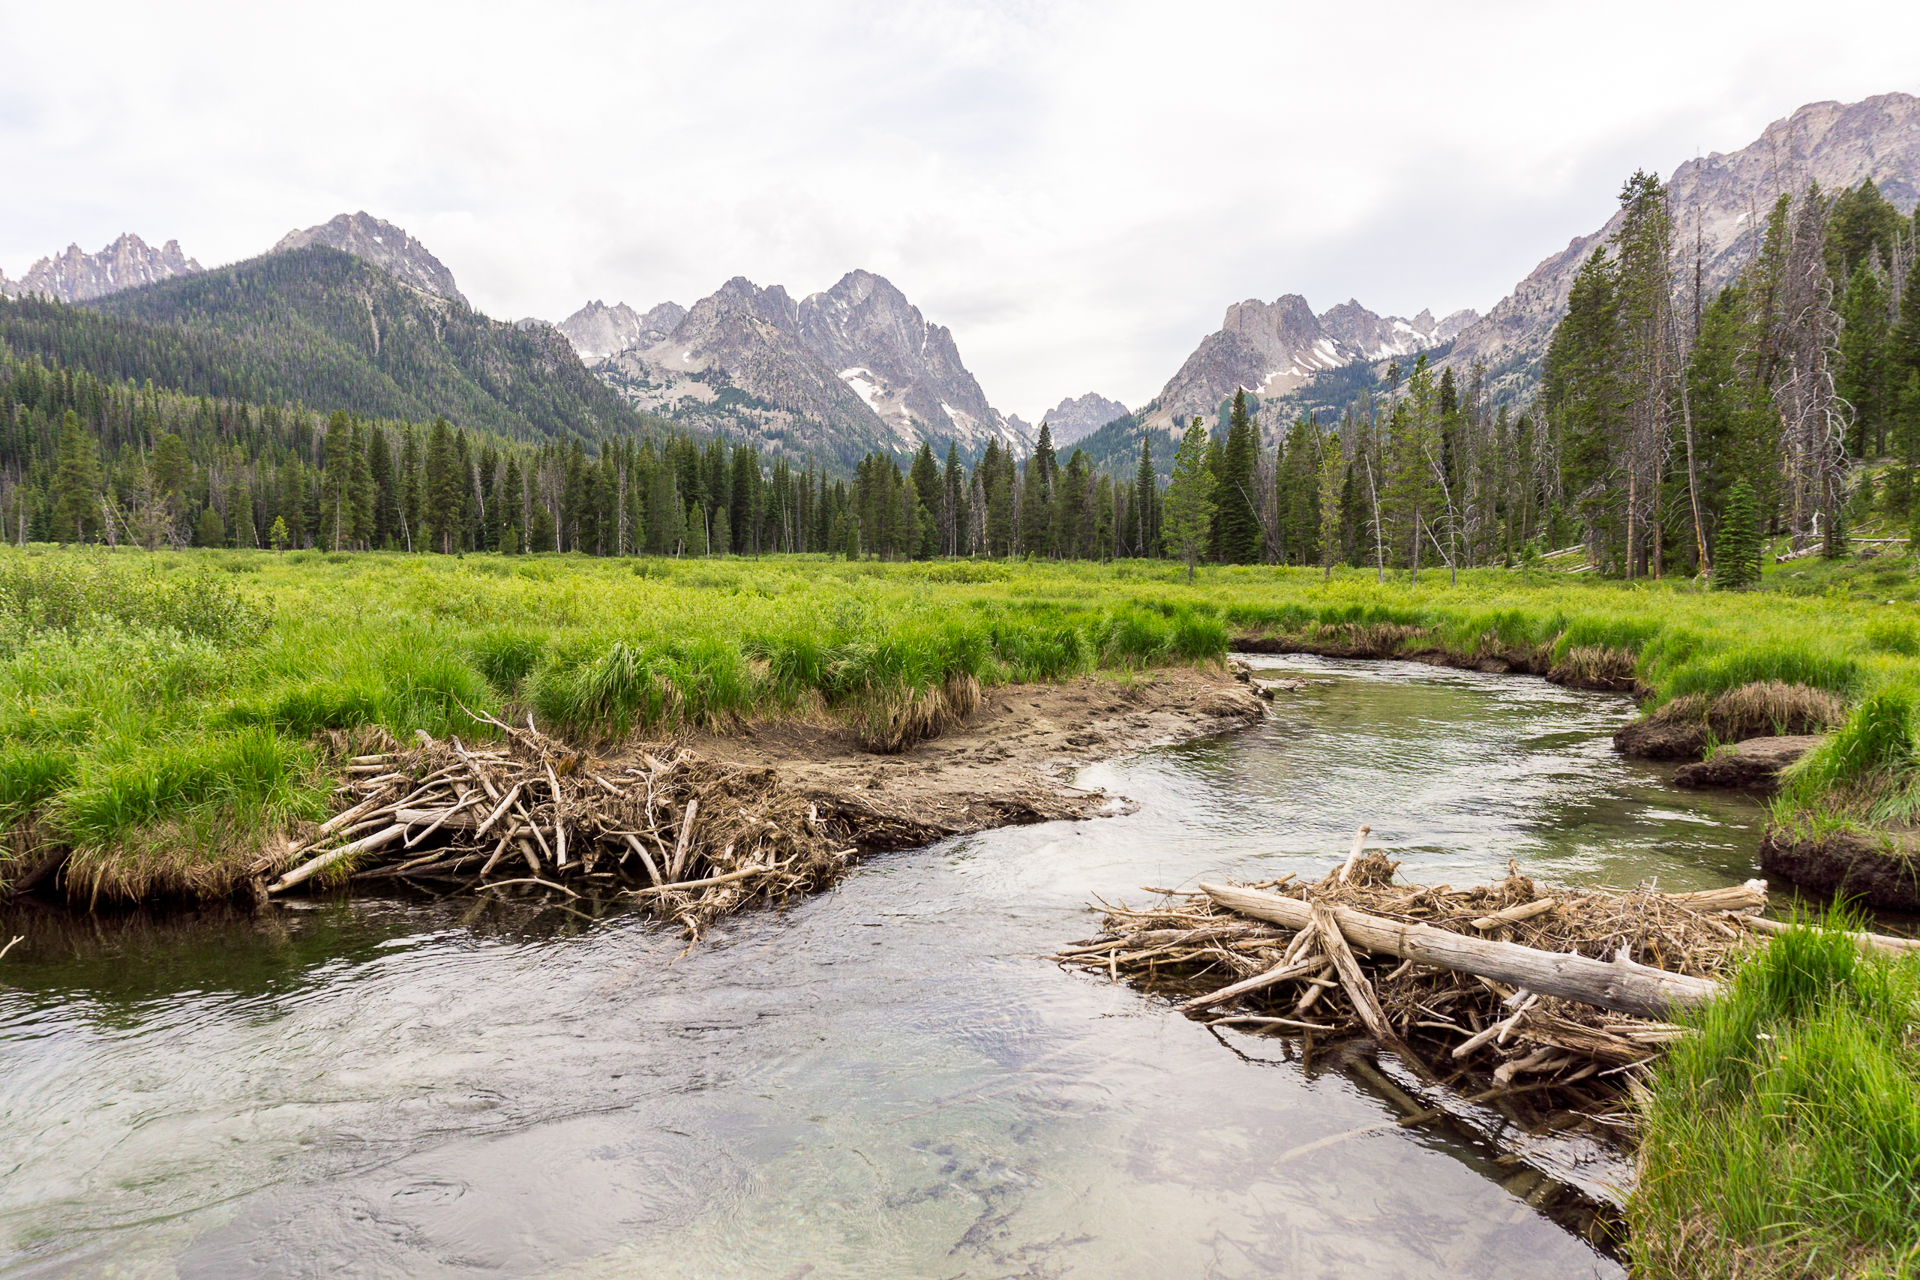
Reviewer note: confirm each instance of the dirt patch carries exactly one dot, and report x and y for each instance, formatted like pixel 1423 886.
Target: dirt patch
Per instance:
pixel 1753 765
pixel 1007 762
pixel 1340 640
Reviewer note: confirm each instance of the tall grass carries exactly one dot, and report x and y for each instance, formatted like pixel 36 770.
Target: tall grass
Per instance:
pixel 1783 1137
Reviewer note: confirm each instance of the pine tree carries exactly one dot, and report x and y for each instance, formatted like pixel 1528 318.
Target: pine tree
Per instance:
pixel 1145 490
pixel 1736 551
pixel 1238 540
pixel 1189 511
pixel 76 484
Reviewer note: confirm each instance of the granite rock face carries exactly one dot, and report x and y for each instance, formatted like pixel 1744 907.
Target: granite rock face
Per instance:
pixel 1077 417
pixel 386 246
pixel 75 276
pixel 852 368
pixel 1271 348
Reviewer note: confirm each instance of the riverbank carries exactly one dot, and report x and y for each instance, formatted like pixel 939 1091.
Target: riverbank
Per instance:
pixel 159 713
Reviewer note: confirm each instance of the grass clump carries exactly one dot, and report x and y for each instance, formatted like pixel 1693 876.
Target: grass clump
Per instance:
pixel 1783 1137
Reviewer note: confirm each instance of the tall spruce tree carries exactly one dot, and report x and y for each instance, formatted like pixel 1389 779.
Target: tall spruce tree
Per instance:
pixel 1189 511
pixel 1237 523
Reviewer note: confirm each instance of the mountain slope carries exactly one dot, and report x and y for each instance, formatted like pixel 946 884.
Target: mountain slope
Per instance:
pixel 329 329
pixel 74 276
pixel 1077 418
pixel 386 246
pixel 1273 348
pixel 851 369
pixel 1726 199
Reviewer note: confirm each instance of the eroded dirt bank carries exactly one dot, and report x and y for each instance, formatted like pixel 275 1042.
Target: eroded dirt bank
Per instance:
pixel 1009 762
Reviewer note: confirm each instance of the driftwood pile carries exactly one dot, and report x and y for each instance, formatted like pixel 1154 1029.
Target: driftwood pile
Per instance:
pixel 692 838
pixel 1505 980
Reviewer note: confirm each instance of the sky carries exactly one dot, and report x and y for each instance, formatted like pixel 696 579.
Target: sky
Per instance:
pixel 1078 191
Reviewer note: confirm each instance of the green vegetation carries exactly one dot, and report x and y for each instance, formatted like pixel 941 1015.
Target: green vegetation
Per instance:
pixel 159 711
pixel 1783 1138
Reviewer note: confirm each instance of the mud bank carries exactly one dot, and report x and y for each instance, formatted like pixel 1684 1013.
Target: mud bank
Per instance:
pixel 1878 867
pixel 1009 762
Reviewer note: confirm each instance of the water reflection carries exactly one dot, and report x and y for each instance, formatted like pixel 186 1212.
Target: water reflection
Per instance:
pixel 883 1081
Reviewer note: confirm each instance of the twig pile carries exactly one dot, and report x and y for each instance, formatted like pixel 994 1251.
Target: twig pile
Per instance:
pixel 690 837
pixel 1233 969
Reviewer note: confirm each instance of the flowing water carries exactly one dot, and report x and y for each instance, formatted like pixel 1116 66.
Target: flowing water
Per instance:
pixel 881 1081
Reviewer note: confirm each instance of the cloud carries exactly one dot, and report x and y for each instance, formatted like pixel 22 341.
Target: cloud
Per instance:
pixel 1077 190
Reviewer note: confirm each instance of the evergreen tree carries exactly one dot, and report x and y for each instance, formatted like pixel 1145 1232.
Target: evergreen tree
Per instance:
pixel 1145 491
pixel 76 484
pixel 1238 526
pixel 1189 508
pixel 1736 551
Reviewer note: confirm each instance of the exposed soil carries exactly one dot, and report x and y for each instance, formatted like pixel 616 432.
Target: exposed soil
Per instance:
pixel 1753 765
pixel 1882 868
pixel 1007 763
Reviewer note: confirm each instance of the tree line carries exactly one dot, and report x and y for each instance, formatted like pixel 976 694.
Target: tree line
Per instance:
pixel 1690 427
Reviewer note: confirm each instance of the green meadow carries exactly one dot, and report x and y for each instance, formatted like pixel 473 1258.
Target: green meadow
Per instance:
pixel 159 711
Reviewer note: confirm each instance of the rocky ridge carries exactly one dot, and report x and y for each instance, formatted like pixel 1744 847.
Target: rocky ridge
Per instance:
pixel 76 276
pixel 1077 418
pixel 1272 348
pixel 386 246
pixel 1724 200
pixel 856 365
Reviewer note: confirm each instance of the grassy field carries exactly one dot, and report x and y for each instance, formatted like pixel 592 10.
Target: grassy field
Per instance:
pixel 158 713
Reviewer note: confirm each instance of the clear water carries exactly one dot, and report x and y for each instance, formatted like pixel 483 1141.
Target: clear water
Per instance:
pixel 882 1081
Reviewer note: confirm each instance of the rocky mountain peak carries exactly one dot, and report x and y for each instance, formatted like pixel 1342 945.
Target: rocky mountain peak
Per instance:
pixel 75 276
pixel 598 331
pixel 856 366
pixel 1271 348
pixel 1076 418
pixel 386 246
pixel 1721 199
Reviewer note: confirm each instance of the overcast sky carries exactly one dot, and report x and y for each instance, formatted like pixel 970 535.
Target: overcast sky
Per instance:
pixel 1076 190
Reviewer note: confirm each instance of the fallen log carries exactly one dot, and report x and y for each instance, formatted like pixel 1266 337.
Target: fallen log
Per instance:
pixel 1619 985
pixel 1865 941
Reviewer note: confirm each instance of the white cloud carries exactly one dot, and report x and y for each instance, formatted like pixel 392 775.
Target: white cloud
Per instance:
pixel 1077 190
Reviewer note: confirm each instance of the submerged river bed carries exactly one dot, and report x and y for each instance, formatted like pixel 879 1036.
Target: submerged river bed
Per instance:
pixel 882 1081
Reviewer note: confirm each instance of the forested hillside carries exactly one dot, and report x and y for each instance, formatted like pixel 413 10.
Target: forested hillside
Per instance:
pixel 324 328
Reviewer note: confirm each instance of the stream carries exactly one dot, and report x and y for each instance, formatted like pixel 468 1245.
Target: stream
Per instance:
pixel 882 1081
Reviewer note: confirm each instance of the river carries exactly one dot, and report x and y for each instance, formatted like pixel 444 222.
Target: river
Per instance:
pixel 882 1081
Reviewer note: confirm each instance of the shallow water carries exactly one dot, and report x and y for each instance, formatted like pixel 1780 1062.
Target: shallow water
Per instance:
pixel 881 1081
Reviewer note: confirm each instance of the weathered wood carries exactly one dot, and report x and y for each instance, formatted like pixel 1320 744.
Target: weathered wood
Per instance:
pixel 1359 991
pixel 1750 896
pixel 1359 838
pixel 307 870
pixel 1281 972
pixel 1620 985
pixel 686 834
pixel 1865 941
pixel 504 805
pixel 1514 915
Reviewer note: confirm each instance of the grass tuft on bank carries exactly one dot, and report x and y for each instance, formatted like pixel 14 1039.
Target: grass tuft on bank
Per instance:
pixel 1783 1138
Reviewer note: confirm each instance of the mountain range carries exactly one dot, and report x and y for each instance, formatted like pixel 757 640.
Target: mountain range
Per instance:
pixel 854 368
pixel 356 313
pixel 75 276
pixel 1272 348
